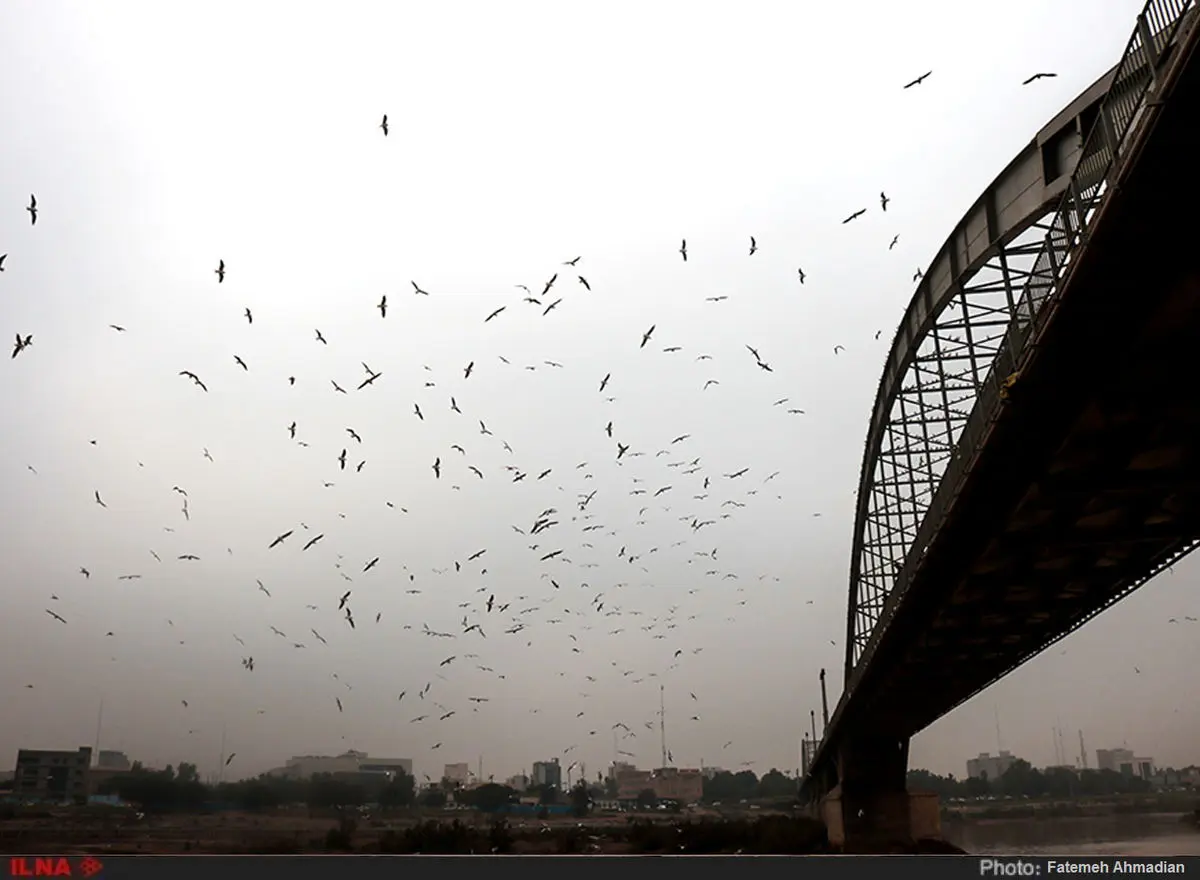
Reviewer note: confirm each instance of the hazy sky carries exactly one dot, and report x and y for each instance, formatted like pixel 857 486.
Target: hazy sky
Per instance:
pixel 162 138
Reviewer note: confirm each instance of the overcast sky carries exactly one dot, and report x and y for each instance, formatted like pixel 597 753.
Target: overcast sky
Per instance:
pixel 161 138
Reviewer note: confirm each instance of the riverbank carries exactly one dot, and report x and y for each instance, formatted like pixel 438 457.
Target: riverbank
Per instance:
pixel 1179 803
pixel 1114 834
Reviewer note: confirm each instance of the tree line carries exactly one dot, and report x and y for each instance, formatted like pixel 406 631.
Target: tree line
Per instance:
pixel 1022 779
pixel 180 789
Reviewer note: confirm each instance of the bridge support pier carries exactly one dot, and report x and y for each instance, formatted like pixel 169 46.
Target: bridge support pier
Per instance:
pixel 871 809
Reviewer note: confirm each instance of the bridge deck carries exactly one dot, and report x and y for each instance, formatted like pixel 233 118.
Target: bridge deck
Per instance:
pixel 1090 478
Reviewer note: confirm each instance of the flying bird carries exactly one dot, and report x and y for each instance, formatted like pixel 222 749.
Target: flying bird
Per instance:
pixel 384 125
pixel 32 209
pixel 382 306
pixel 1038 76
pixel 194 378
pixel 683 249
pixel 494 314
pixel 920 79
pixel 855 215
pixel 883 200
pixel 220 272
pixel 418 290
pixel 646 336
pixel 753 245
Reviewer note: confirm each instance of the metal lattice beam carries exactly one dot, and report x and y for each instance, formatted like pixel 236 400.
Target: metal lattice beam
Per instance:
pixel 984 298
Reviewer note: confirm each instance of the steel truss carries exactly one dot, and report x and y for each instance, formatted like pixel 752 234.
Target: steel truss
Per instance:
pixel 957 373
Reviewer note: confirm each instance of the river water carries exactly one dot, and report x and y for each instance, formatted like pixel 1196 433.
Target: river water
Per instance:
pixel 1150 834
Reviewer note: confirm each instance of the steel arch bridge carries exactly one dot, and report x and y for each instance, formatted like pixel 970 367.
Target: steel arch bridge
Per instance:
pixel 974 314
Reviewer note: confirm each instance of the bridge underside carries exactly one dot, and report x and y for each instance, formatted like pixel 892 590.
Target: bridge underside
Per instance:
pixel 1088 483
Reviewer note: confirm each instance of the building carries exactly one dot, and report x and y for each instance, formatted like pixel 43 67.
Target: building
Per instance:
pixel 307 766
pixel 1124 761
pixel 457 774
pixel 667 783
pixel 710 772
pixel 520 782
pixel 58 776
pixel 547 773
pixel 990 767
pixel 108 759
pixel 617 768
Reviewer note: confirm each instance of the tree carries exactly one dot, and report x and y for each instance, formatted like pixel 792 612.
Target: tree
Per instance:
pixel 433 797
pixel 647 799
pixel 775 785
pixel 489 797
pixel 581 799
pixel 400 791
pixel 548 794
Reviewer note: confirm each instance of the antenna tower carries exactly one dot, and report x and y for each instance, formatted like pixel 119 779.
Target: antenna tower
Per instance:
pixel 662 721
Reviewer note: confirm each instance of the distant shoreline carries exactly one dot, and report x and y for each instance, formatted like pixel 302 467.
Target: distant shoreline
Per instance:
pixel 1184 804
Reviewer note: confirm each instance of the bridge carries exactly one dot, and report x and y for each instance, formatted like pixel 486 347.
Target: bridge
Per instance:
pixel 1033 455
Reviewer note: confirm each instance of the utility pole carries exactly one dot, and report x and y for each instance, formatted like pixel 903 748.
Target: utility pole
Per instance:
pixel 99 721
pixel 812 716
pixel 824 703
pixel 662 721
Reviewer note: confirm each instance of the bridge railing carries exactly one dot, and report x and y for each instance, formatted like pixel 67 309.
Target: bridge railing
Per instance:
pixel 1123 108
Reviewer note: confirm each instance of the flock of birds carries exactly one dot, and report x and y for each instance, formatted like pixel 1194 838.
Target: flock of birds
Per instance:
pixel 563 536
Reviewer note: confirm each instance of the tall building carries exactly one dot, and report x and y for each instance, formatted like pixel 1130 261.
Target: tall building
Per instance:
pixel 1124 761
pixel 989 767
pixel 58 776
pixel 547 773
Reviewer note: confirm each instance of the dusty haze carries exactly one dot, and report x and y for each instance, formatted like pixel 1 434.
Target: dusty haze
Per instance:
pixel 162 138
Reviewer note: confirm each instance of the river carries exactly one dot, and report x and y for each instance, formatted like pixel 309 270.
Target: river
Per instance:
pixel 1144 834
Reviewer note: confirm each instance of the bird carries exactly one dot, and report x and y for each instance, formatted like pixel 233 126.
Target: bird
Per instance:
pixel 194 378
pixel 894 240
pixel 753 245
pixel 1038 76
pixel 383 301
pixel 883 200
pixel 683 249
pixel 32 209
pixel 584 282
pixel 646 336
pixel 384 125
pixel 320 338
pixel 3 257
pixel 22 344
pixel 418 290
pixel 800 272
pixel 920 79
pixel 855 215
pixel 220 272
pixel 249 316
pixel 494 314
